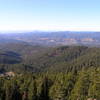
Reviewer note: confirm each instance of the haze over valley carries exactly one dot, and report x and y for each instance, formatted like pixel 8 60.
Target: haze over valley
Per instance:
pixel 53 38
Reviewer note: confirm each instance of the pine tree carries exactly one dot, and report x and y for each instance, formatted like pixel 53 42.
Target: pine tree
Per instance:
pixel 32 93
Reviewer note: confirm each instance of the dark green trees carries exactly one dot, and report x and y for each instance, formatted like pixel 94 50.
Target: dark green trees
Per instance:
pixel 32 93
pixel 52 86
pixel 12 91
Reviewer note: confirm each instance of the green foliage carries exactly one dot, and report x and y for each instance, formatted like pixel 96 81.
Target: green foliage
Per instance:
pixel 60 73
pixel 27 58
pixel 52 86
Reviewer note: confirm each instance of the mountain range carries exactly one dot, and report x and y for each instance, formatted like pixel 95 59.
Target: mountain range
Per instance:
pixel 53 38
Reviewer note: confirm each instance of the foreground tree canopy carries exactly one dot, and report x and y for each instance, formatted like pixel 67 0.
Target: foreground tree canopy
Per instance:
pixel 81 85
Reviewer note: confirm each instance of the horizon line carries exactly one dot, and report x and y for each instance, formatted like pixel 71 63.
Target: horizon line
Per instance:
pixel 20 31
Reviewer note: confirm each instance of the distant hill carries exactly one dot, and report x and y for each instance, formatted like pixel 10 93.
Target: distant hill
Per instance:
pixel 22 57
pixel 54 38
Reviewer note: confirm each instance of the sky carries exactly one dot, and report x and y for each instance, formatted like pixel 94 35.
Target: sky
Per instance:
pixel 50 15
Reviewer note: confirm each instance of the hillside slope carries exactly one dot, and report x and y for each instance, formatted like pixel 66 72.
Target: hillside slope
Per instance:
pixel 24 57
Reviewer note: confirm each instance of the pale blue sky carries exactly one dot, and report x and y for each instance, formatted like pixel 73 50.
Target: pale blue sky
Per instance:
pixel 73 15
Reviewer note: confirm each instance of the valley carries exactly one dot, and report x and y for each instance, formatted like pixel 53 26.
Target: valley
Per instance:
pixel 53 38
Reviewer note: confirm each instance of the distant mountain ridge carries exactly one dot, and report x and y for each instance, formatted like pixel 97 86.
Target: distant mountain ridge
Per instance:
pixel 54 38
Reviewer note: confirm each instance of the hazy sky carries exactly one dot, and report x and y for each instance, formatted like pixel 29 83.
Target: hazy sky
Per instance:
pixel 50 15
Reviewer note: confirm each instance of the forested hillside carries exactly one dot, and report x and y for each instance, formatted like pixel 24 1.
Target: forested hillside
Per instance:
pixel 22 57
pixel 33 72
pixel 82 85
